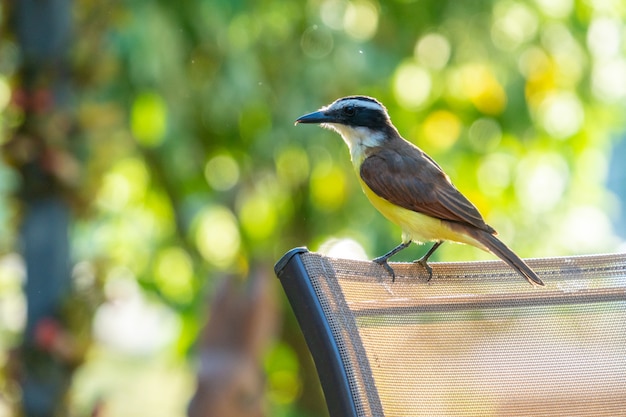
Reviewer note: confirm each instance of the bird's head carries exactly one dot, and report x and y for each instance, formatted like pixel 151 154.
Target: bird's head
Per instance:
pixel 361 121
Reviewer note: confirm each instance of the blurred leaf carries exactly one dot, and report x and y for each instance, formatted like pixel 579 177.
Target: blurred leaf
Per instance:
pixel 148 119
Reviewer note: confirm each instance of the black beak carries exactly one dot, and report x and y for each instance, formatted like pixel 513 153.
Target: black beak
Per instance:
pixel 315 117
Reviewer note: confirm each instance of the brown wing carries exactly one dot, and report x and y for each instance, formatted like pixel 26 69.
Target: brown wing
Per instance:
pixel 407 177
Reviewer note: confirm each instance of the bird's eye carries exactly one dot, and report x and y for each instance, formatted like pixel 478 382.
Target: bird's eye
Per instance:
pixel 349 110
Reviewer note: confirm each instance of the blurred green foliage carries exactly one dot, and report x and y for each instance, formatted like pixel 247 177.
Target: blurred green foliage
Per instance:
pixel 192 165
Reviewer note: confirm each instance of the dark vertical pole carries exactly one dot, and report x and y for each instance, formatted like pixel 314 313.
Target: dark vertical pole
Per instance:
pixel 43 32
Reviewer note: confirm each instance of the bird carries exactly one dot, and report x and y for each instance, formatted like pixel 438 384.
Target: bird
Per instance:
pixel 407 186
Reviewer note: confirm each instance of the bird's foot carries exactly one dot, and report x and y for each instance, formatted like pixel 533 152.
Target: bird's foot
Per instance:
pixel 382 261
pixel 424 262
pixel 424 259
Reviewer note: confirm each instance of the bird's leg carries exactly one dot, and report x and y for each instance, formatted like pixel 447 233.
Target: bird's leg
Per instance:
pixel 424 259
pixel 382 260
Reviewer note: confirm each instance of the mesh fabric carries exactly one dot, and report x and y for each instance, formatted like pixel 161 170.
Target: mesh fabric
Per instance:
pixel 478 340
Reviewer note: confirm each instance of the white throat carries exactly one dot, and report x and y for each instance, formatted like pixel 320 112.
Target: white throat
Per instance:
pixel 357 138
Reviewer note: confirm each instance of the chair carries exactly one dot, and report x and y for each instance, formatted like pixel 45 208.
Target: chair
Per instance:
pixel 476 340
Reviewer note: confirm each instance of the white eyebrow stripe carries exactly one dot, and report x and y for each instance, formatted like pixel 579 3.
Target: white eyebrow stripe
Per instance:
pixel 357 103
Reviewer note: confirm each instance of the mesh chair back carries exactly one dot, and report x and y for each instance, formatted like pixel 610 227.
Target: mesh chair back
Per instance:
pixel 476 340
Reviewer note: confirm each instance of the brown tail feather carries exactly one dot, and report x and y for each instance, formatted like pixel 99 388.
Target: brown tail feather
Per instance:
pixel 499 249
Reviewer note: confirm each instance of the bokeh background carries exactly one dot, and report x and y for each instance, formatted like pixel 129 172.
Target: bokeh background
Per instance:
pixel 170 151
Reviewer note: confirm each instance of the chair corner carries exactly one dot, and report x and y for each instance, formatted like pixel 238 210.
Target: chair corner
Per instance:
pixel 284 260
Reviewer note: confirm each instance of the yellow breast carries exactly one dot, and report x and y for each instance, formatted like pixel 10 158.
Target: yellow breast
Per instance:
pixel 415 226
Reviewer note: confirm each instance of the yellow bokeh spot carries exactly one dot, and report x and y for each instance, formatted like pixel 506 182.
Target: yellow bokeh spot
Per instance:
pixel 482 89
pixel 126 182
pixel 5 93
pixel 514 24
pixel 217 236
pixel 222 172
pixel 258 216
pixel 541 181
pixel 411 85
pixel 284 387
pixel 157 203
pixel 173 274
pixel 556 8
pixel 561 114
pixel 433 51
pixel 361 19
pixel 541 75
pixel 148 119
pixel 441 129
pixel 534 63
pixel 328 187
pixel 332 13
pixel 114 193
